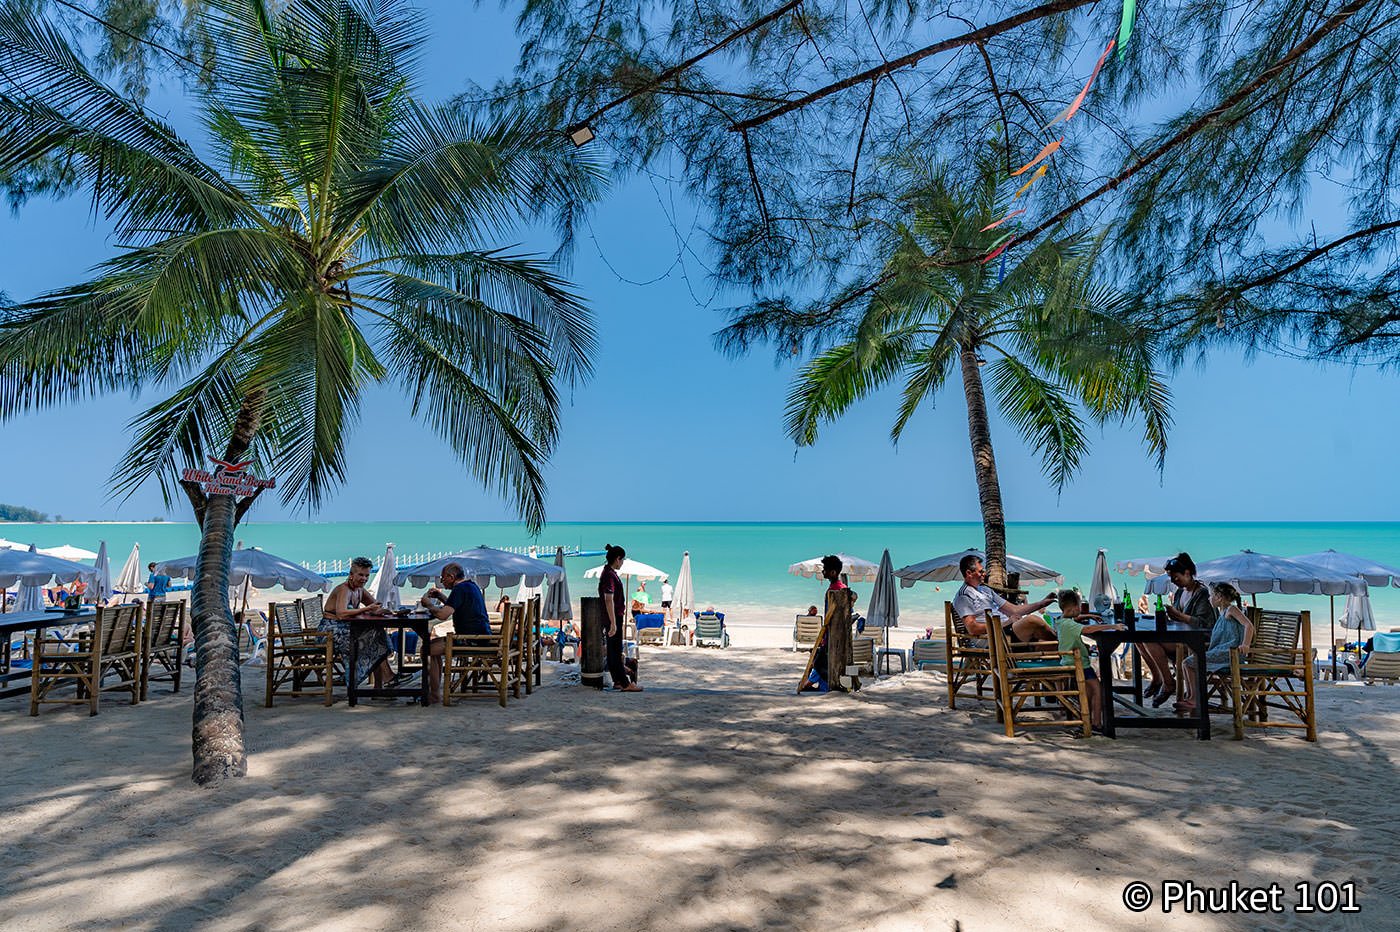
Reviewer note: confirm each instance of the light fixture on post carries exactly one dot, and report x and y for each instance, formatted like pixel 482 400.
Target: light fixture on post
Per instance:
pixel 580 135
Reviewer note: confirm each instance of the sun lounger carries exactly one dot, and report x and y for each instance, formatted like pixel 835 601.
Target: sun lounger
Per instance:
pixel 929 654
pixel 709 630
pixel 805 632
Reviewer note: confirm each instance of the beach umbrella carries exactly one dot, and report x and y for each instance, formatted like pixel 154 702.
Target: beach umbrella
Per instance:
pixel 1147 566
pixel 382 585
pixel 853 568
pixel 526 592
pixel 69 552
pixel 883 611
pixel 945 569
pixel 683 598
pixel 30 598
pixel 1252 573
pixel 1101 585
pixel 482 565
pixel 630 568
pixel 131 579
pixel 5 544
pixel 103 588
pixel 1375 574
pixel 38 569
pixel 254 567
pixel 556 605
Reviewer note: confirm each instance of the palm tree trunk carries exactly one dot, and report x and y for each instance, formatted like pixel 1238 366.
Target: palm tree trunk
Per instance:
pixel 219 750
pixel 985 465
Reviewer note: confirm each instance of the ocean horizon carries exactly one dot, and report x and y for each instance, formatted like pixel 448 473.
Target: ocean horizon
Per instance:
pixel 741 566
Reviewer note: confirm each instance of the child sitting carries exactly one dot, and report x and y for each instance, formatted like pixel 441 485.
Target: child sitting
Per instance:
pixel 1070 633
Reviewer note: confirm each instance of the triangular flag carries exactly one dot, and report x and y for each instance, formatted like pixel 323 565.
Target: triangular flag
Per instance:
pixel 1005 241
pixel 1044 153
pixel 1034 178
pixel 1073 108
pixel 996 223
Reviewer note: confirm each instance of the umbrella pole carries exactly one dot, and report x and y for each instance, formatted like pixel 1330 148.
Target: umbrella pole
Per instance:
pixel 1332 610
pixel 246 583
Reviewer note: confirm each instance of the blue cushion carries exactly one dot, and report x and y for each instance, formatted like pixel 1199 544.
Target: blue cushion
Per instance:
pixel 650 620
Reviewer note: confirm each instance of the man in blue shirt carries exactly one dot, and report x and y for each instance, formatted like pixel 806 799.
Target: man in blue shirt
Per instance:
pixel 157 584
pixel 464 603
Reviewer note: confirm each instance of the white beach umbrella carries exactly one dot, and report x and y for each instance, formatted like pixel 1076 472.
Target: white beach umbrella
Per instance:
pixel 103 587
pixel 1147 566
pixel 853 568
pixel 482 565
pixel 526 592
pixel 683 598
pixel 69 552
pixel 1358 614
pixel 1253 573
pixel 945 569
pixel 131 579
pixel 1375 574
pixel 556 605
pixel 1100 584
pixel 884 598
pixel 254 567
pixel 30 598
pixel 37 569
pixel 382 585
pixel 633 568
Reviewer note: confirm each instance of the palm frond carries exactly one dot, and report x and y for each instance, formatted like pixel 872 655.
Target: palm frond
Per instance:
pixel 1043 414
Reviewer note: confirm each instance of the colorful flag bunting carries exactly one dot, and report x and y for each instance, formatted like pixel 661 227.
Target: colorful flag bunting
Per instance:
pixel 1125 26
pixel 1073 108
pixel 996 223
pixel 1034 178
pixel 1050 147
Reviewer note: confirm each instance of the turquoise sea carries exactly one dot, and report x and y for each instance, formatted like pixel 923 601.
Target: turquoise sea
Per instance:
pixel 742 568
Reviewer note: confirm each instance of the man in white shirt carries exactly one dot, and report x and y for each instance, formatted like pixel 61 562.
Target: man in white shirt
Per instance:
pixel 666 593
pixel 975 598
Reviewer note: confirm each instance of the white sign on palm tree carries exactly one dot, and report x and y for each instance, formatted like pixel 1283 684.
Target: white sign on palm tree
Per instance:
pixel 131 579
pixel 884 597
pixel 382 585
pixel 102 589
pixel 945 569
pixel 854 569
pixel 1252 573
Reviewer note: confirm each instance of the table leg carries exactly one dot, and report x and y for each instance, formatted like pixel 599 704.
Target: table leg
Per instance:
pixel 351 694
pixel 1137 673
pixel 1202 706
pixel 424 634
pixel 1106 687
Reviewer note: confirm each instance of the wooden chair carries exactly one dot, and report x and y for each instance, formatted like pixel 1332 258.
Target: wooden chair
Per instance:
pixel 112 646
pixel 1035 671
pixel 312 609
pixel 163 642
pixel 535 626
pixel 1274 672
pixel 968 659
pixel 300 662
pixel 481 665
pixel 805 632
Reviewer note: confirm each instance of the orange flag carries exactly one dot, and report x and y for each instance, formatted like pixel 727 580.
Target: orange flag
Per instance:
pixel 1044 153
pixel 1073 108
pixel 1034 178
pixel 996 223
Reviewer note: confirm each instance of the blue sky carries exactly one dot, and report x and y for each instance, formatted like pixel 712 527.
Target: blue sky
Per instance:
pixel 667 429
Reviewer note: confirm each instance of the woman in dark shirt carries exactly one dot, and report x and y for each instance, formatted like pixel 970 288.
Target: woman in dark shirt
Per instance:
pixel 614 601
pixel 1190 605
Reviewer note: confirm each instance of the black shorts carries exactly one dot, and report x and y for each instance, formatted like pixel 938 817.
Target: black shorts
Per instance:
pixel 666 603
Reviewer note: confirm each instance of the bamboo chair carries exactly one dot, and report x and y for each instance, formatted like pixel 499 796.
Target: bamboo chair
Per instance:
pixel 312 609
pixel 112 646
pixel 479 666
pixel 968 659
pixel 805 632
pixel 1275 672
pixel 534 645
pixel 300 662
pixel 1038 670
pixel 163 643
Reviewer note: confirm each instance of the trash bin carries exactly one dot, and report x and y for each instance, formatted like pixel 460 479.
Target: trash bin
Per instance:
pixel 593 649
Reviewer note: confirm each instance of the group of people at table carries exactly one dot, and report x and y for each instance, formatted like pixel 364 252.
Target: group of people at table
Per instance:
pixel 1216 607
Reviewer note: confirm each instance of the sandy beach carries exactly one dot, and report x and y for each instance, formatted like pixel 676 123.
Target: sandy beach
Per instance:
pixel 715 800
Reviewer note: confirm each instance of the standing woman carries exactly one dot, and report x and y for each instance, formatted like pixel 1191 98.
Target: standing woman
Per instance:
pixel 614 601
pixel 345 602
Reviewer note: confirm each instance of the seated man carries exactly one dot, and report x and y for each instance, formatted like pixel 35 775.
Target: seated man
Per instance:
pixel 464 603
pixel 641 599
pixel 975 598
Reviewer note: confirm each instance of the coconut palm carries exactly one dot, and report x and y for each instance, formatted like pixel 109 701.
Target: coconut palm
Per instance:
pixel 1055 344
pixel 337 233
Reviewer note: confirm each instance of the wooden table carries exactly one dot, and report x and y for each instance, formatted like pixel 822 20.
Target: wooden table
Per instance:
pixel 1145 632
pixel 420 623
pixel 12 622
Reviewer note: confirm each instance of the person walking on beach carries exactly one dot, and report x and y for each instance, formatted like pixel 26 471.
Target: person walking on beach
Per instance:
pixel 610 590
pixel 667 594
pixel 463 602
pixel 346 601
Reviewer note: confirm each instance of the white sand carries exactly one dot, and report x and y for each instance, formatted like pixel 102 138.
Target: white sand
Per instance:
pixel 715 800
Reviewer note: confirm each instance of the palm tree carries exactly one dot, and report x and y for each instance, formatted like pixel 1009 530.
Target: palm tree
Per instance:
pixel 337 236
pixel 1056 343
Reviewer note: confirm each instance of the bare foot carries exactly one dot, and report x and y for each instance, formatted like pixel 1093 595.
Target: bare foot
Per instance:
pixel 630 688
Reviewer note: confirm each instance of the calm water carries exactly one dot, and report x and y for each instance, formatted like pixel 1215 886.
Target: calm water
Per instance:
pixel 744 566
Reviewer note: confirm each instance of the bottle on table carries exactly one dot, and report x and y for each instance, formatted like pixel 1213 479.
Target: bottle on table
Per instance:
pixel 1161 615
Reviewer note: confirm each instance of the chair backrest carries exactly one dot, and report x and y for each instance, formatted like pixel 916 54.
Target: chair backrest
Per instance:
pixel 708 625
pixel 313 609
pixel 809 628
pixel 1276 636
pixel 862 650
pixel 513 626
pixel 953 622
pixel 875 633
pixel 164 621
pixel 117 629
pixel 286 616
pixel 927 650
pixel 996 641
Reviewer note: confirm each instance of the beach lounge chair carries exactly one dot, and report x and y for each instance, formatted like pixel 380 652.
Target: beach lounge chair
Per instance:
pixel 1274 673
pixel 300 662
pixel 112 646
pixel 1383 663
pixel 1038 670
pixel 863 653
pixel 651 628
pixel 477 666
pixel 163 643
pixel 709 630
pixel 928 654
pixel 805 631
pixel 968 659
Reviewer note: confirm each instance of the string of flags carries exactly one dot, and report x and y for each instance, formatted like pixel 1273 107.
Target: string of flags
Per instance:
pixel 1125 31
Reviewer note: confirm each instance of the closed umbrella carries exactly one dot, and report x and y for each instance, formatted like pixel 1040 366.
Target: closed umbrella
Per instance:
pixel 556 605
pixel 482 565
pixel 884 599
pixel 382 585
pixel 254 567
pixel 1253 573
pixel 683 598
pixel 131 580
pixel 1101 589
pixel 103 587
pixel 945 569
pixel 69 552
pixel 1375 574
pixel 853 568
